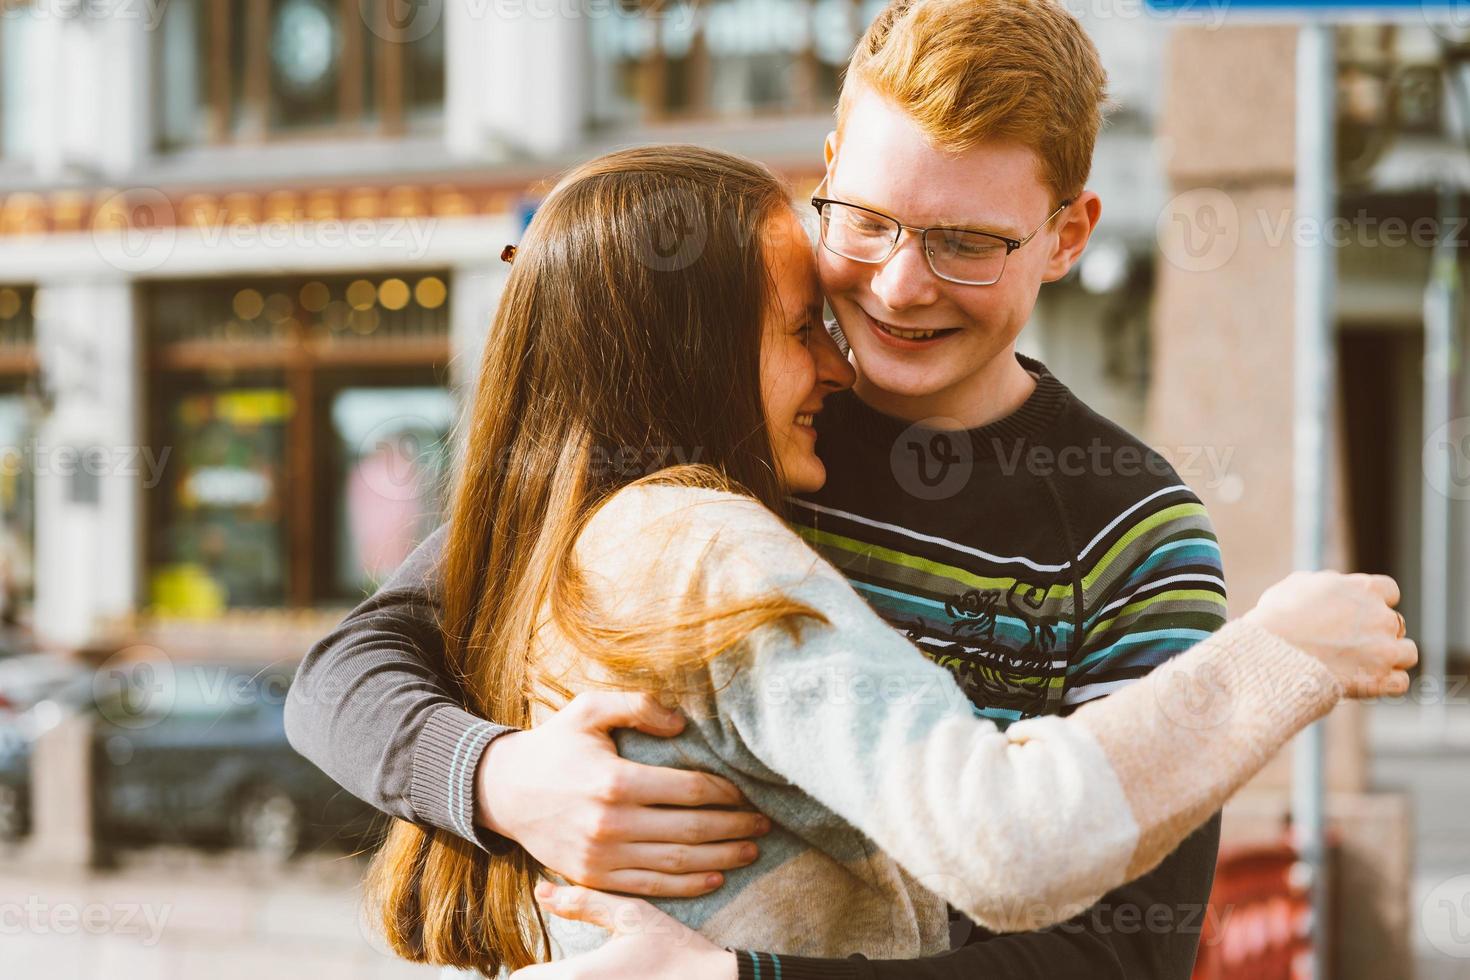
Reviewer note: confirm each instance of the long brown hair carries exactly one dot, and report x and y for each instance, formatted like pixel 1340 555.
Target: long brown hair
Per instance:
pixel 626 347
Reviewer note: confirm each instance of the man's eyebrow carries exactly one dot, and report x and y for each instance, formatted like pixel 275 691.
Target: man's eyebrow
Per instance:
pixel 993 227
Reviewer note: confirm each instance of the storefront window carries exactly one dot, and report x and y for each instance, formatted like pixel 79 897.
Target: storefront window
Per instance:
pixel 723 57
pixel 308 422
pixel 19 410
pixel 223 544
pixel 393 448
pixel 252 69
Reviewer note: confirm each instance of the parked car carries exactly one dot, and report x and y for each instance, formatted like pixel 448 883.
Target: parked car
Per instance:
pixel 196 754
pixel 29 678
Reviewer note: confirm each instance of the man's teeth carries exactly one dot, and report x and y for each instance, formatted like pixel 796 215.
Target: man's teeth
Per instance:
pixel 806 419
pixel 907 334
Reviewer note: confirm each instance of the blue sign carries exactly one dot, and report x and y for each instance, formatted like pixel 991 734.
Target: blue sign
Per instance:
pixel 1428 10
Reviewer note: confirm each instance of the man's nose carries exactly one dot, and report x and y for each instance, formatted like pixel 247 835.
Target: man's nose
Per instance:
pixel 906 280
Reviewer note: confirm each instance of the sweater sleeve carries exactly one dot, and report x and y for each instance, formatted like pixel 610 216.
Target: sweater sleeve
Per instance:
pixel 862 722
pixel 1148 929
pixel 368 706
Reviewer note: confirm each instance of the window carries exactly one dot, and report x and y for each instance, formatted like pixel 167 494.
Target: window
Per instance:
pixel 655 60
pixel 242 70
pixel 18 69
pixel 18 414
pixel 307 422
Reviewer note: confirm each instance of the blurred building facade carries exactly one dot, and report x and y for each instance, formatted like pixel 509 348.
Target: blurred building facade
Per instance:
pixel 249 250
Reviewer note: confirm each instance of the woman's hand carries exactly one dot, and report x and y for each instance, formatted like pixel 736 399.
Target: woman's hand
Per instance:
pixel 563 793
pixel 645 943
pixel 1348 623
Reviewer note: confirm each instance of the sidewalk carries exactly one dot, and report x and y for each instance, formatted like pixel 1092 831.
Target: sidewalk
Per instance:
pixel 1436 773
pixel 175 915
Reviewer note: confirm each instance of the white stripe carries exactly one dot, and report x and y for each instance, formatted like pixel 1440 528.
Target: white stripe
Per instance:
pixel 944 542
pixel 929 538
pixel 454 778
pixel 1091 692
pixel 1122 601
pixel 943 646
pixel 1117 520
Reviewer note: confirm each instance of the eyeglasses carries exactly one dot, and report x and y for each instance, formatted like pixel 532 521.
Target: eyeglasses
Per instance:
pixel 959 255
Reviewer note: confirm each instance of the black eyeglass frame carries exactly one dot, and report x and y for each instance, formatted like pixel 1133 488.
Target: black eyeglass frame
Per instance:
pixel 1011 244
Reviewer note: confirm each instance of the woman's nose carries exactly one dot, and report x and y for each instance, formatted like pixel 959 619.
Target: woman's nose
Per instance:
pixel 834 373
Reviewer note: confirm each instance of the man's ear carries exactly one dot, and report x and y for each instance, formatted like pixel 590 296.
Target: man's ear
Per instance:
pixel 829 149
pixel 1074 227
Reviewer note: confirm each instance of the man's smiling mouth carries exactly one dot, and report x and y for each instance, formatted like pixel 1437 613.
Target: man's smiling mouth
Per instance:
pixel 904 333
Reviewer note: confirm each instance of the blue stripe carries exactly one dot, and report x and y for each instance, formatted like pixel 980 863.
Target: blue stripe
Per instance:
pixel 755 960
pixel 468 733
pixel 1188 637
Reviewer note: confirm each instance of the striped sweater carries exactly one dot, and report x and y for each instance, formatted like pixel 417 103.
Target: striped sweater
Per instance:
pixel 889 795
pixel 1046 560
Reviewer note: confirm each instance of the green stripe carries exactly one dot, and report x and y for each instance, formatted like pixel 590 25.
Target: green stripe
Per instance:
pixel 963 577
pixel 1169 515
pixel 863 549
pixel 1178 595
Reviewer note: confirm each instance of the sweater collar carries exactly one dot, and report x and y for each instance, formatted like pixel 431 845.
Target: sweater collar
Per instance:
pixel 1034 415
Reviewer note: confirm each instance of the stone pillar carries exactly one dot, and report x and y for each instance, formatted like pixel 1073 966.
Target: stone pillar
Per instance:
pixel 61 796
pixel 1223 316
pixel 91 461
pixel 515 78
pixel 1222 365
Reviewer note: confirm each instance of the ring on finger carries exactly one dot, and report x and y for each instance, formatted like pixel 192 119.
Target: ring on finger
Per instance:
pixel 1403 626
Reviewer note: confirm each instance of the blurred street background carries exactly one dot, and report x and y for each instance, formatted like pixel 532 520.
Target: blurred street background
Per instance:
pixel 249 250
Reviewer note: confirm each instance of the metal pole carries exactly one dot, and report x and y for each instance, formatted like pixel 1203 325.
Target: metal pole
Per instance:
pixel 1316 79
pixel 1441 309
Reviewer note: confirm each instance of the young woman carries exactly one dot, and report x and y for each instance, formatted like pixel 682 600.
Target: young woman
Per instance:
pixel 644 405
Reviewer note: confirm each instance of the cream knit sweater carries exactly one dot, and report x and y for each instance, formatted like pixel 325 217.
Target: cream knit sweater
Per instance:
pixel 889 794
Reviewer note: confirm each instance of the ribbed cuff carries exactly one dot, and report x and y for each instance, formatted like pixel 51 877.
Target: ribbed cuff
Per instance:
pixel 769 966
pixel 442 790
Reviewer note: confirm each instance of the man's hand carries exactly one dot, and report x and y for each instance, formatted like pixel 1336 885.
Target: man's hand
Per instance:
pixel 645 943
pixel 564 794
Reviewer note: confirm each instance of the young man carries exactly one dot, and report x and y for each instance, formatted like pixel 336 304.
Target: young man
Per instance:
pixel 1040 552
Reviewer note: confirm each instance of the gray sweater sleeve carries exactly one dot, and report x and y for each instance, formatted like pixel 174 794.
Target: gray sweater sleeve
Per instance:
pixel 370 707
